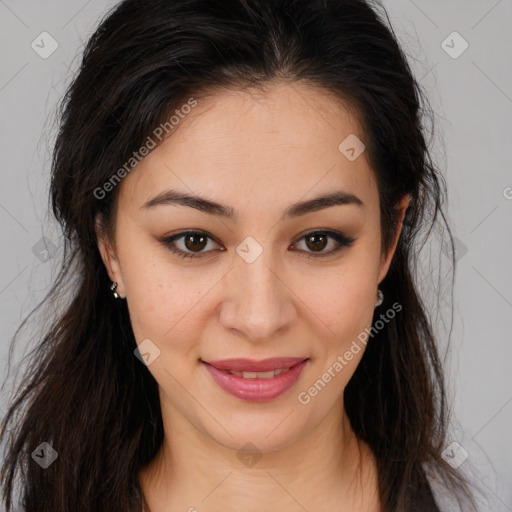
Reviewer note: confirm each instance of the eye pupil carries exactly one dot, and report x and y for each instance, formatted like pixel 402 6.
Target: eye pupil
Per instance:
pixel 320 245
pixel 193 246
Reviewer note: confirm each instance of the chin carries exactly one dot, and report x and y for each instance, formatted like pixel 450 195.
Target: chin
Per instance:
pixel 268 430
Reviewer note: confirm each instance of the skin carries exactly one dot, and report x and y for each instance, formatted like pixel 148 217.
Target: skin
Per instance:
pixel 258 152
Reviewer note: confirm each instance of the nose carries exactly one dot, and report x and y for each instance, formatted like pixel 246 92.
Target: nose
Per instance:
pixel 259 302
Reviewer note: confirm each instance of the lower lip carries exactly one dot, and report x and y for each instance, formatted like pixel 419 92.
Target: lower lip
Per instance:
pixel 256 390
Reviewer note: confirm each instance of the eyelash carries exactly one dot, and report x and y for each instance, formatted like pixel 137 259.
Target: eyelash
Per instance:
pixel 340 238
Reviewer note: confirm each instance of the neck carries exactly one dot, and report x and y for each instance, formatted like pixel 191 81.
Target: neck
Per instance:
pixel 193 472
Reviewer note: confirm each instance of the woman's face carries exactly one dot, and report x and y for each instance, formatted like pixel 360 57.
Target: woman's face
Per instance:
pixel 256 286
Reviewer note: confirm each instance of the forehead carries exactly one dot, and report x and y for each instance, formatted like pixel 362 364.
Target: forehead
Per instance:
pixel 258 144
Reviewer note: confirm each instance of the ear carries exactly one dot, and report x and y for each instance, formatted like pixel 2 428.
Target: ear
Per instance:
pixel 401 206
pixel 108 253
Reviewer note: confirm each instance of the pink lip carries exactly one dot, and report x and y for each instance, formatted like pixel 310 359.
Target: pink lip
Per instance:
pixel 256 390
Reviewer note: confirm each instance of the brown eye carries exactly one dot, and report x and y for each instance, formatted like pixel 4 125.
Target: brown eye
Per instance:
pixel 193 243
pixel 317 241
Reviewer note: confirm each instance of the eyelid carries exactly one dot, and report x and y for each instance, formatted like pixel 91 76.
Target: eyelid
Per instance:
pixel 341 239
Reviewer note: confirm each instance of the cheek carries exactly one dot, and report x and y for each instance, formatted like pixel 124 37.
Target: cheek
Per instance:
pixel 347 309
pixel 165 307
pixel 163 299
pixel 349 316
pixel 344 298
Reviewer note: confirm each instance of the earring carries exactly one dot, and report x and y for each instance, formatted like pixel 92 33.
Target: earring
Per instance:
pixel 113 288
pixel 380 298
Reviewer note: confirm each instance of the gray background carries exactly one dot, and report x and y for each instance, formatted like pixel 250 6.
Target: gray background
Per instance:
pixel 472 96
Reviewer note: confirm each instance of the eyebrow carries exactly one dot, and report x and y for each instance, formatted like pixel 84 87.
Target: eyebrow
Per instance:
pixel 174 197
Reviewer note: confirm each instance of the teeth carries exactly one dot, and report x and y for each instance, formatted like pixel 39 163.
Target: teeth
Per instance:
pixel 259 375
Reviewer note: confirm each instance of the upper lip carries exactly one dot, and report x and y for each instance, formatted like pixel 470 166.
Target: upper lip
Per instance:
pixel 252 365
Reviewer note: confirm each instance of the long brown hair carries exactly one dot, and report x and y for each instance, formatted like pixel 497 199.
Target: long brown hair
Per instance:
pixel 84 392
